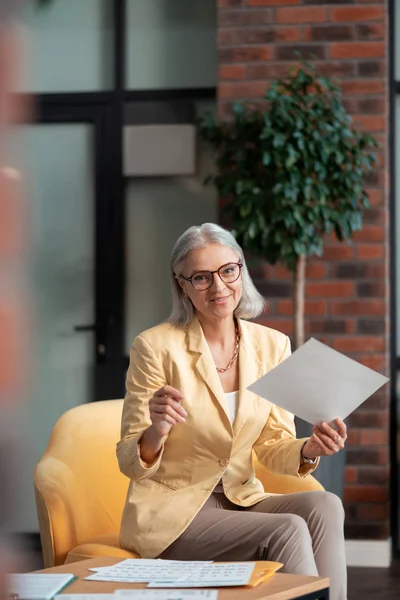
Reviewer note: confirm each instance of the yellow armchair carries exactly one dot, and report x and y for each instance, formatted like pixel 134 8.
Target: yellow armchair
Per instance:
pixel 80 492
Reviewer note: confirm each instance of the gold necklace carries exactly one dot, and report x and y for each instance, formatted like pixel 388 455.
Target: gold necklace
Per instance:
pixel 235 352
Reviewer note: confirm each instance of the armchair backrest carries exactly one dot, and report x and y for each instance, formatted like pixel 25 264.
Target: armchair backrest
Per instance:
pixel 79 490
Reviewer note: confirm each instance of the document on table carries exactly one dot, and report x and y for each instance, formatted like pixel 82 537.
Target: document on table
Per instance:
pixel 145 570
pixel 86 597
pixel 317 383
pixel 210 575
pixel 133 562
pixel 37 586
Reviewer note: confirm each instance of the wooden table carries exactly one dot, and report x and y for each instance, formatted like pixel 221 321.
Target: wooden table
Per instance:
pixel 281 587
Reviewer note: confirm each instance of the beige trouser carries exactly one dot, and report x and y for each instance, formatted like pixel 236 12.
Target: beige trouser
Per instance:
pixel 304 531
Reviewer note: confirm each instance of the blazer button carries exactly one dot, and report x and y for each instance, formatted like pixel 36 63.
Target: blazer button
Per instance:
pixel 224 462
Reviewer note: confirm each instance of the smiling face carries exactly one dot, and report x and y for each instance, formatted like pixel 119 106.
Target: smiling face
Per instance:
pixel 221 299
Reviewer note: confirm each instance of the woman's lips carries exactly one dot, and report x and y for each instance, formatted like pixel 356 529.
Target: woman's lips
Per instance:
pixel 221 300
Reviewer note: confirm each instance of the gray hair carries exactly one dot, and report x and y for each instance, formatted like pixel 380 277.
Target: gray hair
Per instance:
pixel 251 303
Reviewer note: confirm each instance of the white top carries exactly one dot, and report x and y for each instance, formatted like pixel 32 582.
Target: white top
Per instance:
pixel 232 402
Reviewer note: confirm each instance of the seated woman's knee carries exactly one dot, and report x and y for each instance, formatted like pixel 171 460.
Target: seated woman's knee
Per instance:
pixel 296 527
pixel 328 504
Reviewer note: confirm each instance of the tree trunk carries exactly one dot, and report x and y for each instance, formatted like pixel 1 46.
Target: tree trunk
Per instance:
pixel 299 294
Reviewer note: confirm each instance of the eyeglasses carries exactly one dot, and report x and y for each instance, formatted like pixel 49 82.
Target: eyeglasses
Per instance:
pixel 203 280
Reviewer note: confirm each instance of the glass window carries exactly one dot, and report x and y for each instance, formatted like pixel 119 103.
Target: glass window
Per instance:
pixel 67 46
pixel 171 44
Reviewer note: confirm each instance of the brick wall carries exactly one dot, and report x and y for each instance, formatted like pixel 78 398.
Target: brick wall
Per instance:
pixel 348 289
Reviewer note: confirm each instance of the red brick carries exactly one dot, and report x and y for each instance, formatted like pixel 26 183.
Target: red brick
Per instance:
pixel 376 289
pixel 281 272
pixel 352 437
pixel 336 326
pixel 372 512
pixel 290 52
pixel 337 68
pixel 373 437
pixel 315 270
pixel 244 54
pixel 365 493
pixel 316 307
pixel 351 105
pixel 230 3
pixel 330 289
pixel 266 70
pixel 370 233
pixel 285 307
pixel 370 31
pixel 371 419
pixel 371 68
pixel 246 35
pixel 342 252
pixel 359 344
pixel 232 71
pixel 366 252
pixel 239 18
pixel 271 2
pixel 354 14
pixel 358 50
pixel 350 474
pixel 374 474
pixel 377 363
pixel 358 307
pixel 329 33
pixel 361 86
pixel 368 456
pixel 370 122
pixel 312 307
pixel 301 15
pixel 242 89
pixel 283 325
pixel 287 34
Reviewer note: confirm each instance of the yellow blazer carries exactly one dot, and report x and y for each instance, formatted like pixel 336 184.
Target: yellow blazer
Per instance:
pixel 163 498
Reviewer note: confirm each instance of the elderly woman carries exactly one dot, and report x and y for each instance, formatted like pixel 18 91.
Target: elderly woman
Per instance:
pixel 189 429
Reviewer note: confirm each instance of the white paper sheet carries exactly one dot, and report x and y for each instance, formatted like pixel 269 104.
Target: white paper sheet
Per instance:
pixel 166 594
pixel 212 575
pixel 86 597
pixel 317 383
pixel 37 586
pixel 127 562
pixel 143 571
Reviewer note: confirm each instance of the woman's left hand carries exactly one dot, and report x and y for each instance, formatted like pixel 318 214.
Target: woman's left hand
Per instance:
pixel 325 440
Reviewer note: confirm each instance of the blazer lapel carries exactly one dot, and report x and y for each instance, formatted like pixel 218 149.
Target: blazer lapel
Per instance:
pixel 205 365
pixel 250 369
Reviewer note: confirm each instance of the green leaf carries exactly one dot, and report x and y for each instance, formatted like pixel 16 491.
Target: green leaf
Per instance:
pixel 266 159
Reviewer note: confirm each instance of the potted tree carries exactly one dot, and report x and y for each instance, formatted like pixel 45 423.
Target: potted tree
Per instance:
pixel 292 173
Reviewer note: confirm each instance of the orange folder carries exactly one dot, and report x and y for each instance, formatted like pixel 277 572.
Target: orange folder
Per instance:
pixel 263 571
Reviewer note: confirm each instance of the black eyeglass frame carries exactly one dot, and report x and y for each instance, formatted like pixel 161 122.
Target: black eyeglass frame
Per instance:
pixel 239 264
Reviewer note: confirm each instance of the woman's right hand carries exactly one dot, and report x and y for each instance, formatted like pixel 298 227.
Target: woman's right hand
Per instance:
pixel 166 410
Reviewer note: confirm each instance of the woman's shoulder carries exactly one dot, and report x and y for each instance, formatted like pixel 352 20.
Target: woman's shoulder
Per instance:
pixel 160 336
